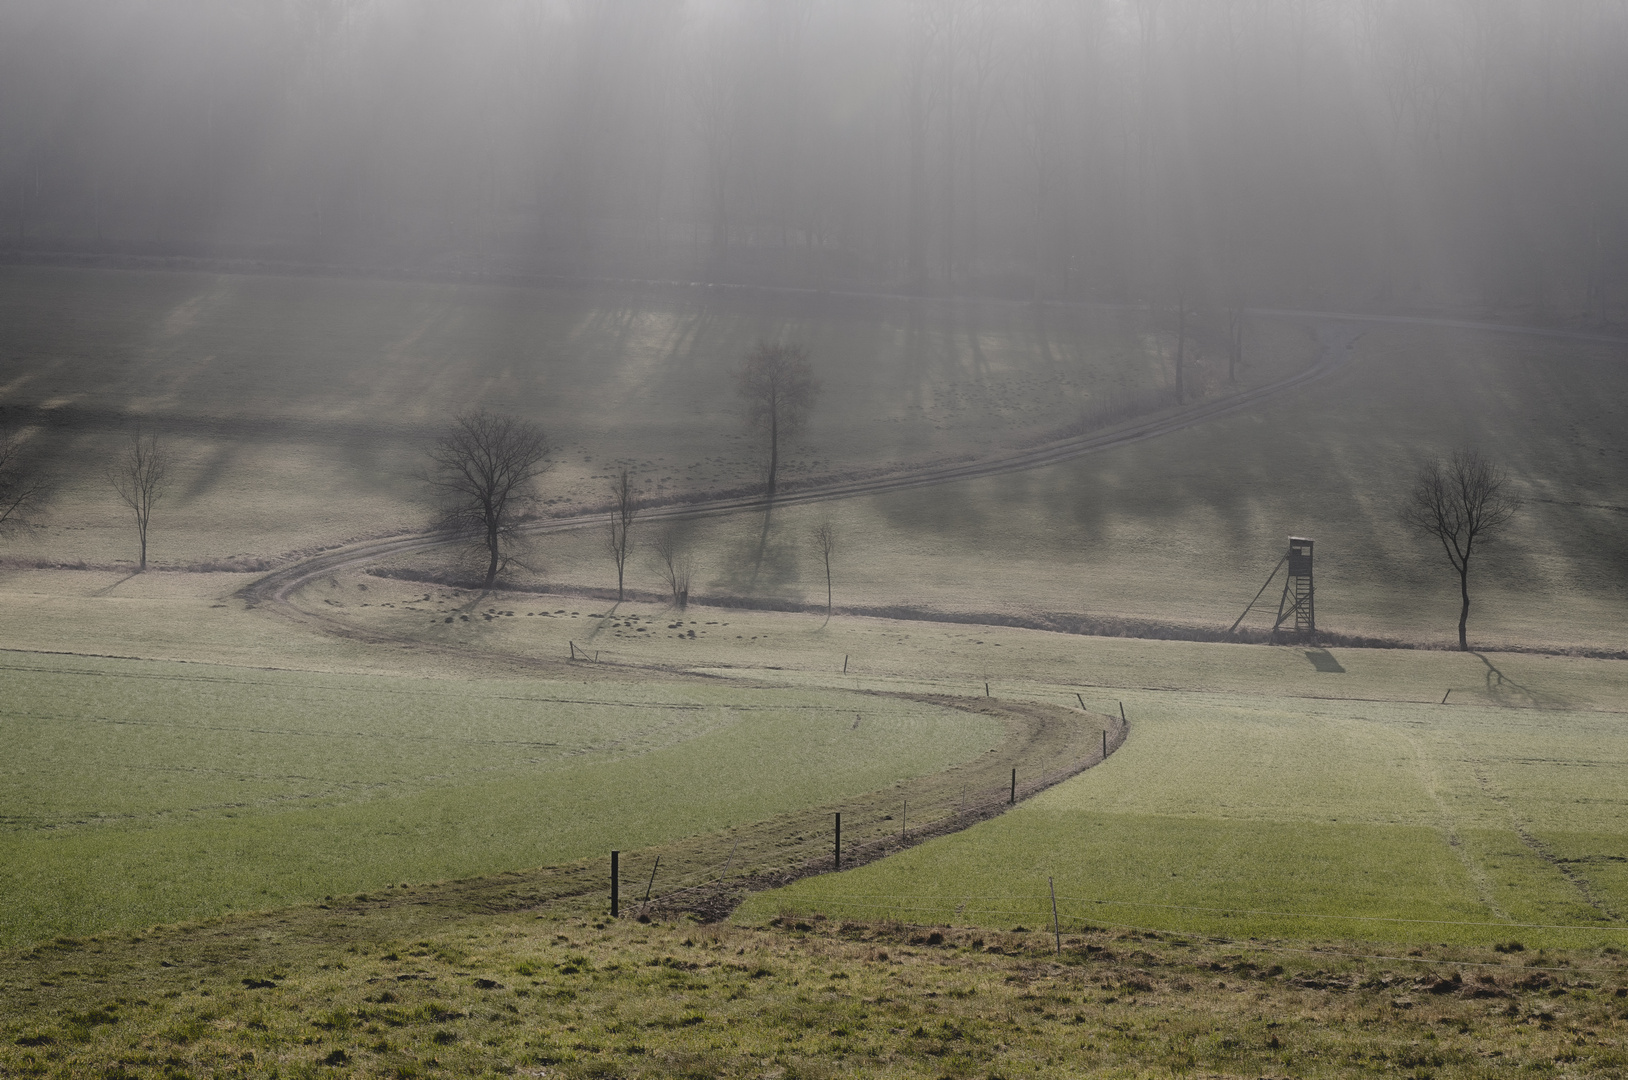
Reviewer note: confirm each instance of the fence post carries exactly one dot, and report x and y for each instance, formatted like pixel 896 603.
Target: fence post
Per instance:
pixel 1082 700
pixel 616 884
pixel 1056 927
pixel 904 821
pixel 652 884
pixel 845 663
pixel 1105 744
pixel 1122 719
pixel 1013 800
pixel 836 854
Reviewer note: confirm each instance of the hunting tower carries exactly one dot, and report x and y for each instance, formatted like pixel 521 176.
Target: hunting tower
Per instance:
pixel 1297 610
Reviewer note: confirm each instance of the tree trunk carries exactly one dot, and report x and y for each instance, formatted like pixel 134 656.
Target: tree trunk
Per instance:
pixel 491 566
pixel 1464 612
pixel 1181 350
pixel 142 531
pixel 774 447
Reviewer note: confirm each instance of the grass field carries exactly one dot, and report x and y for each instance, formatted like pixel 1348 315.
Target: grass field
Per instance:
pixel 143 792
pixel 1268 815
pixel 1277 818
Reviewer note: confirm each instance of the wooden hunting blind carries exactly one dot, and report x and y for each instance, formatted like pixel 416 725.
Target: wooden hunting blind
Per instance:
pixel 1298 604
pixel 1297 608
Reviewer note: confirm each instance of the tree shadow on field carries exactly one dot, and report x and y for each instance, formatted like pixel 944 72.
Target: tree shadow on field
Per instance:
pixel 109 590
pixel 1506 691
pixel 764 563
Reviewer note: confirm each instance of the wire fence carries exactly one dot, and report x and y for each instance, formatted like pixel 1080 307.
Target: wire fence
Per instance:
pixel 1079 911
pixel 815 850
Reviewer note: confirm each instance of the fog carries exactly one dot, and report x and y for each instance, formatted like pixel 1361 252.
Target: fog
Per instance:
pixel 1380 152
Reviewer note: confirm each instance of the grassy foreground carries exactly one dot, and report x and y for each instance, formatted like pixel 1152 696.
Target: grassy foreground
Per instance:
pixel 411 986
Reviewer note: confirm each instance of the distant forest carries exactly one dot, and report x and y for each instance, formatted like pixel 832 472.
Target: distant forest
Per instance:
pixel 1229 152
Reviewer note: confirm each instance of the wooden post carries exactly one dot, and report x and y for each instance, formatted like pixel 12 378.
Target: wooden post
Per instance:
pixel 836 853
pixel 904 821
pixel 845 663
pixel 616 884
pixel 573 649
pixel 986 689
pixel 1444 696
pixel 1013 800
pixel 1056 927
pixel 1122 719
pixel 652 884
pixel 1082 700
pixel 1105 744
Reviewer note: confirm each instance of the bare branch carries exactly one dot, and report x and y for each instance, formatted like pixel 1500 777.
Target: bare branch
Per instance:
pixel 673 559
pixel 483 471
pixel 824 536
pixel 619 539
pixel 23 482
pixel 1458 503
pixel 778 388
pixel 140 474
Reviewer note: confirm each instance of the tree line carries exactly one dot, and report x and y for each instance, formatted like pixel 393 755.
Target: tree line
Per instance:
pixel 483 472
pixel 1348 151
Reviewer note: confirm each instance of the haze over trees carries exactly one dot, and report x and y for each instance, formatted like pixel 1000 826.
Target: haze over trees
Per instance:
pixel 22 478
pixel 778 388
pixel 484 471
pixel 140 476
pixel 1365 151
pixel 1461 502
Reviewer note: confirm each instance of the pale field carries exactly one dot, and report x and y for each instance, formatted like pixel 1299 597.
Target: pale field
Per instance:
pixel 1183 529
pixel 298 409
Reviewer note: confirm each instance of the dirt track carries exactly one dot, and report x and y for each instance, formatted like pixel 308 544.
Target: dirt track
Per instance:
pixel 1337 334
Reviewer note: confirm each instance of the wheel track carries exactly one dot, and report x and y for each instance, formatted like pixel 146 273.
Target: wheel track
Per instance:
pixel 1337 333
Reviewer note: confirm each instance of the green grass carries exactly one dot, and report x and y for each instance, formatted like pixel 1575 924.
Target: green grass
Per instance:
pixel 408 988
pixel 1294 817
pixel 143 792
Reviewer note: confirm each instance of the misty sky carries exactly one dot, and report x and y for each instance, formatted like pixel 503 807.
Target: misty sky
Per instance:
pixel 1384 152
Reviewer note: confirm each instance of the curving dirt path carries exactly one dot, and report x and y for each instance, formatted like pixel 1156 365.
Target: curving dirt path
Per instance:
pixel 1337 333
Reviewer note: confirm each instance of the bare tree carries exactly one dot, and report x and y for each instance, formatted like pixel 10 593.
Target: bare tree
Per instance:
pixel 483 472
pixel 1235 341
pixel 22 481
pixel 673 558
pixel 619 540
pixel 1459 502
pixel 141 476
pixel 779 389
pixel 824 536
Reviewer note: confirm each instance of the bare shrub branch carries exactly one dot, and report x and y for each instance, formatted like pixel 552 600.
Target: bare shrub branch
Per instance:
pixel 824 536
pixel 673 559
pixel 23 481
